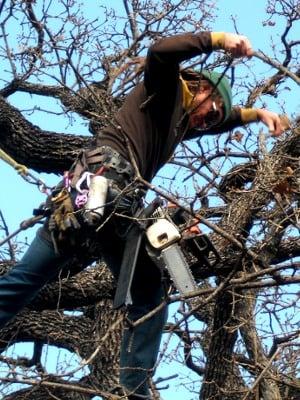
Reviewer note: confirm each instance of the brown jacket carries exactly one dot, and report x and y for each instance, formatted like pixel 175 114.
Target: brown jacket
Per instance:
pixel 152 116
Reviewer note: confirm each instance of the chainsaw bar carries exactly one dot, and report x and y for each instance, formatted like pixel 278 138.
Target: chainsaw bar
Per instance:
pixel 178 269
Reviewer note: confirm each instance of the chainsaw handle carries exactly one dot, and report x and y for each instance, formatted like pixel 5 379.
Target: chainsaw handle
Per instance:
pixel 149 210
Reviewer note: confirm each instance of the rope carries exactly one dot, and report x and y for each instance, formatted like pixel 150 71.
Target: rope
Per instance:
pixel 25 174
pixel 23 171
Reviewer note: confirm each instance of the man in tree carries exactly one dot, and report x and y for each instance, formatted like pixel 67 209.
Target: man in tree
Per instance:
pixel 169 106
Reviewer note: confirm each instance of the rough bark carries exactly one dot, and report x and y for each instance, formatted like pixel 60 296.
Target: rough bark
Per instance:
pixel 242 211
pixel 37 149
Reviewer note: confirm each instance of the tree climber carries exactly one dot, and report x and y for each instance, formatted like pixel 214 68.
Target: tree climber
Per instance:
pixel 169 106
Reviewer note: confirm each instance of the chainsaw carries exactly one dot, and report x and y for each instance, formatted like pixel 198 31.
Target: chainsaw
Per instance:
pixel 178 249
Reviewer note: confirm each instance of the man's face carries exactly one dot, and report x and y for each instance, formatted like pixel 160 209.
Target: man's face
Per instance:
pixel 206 112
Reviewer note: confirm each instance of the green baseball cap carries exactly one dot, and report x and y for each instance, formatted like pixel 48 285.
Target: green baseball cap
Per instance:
pixel 222 85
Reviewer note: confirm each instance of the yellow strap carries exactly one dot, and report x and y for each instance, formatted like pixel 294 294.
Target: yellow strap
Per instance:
pixel 22 169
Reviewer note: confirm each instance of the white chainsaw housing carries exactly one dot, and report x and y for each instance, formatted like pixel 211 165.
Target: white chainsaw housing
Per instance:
pixel 162 233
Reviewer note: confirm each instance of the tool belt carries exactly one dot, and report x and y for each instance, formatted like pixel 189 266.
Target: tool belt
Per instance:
pixel 114 165
pixel 68 199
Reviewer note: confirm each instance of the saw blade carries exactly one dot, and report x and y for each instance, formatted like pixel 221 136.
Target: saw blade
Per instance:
pixel 178 269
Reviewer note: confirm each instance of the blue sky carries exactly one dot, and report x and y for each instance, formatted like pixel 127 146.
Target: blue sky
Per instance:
pixel 18 198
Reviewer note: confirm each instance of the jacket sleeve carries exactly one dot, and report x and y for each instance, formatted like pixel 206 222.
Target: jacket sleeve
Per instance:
pixel 164 57
pixel 234 120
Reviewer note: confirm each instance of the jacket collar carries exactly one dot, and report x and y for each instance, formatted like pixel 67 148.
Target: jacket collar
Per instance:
pixel 187 96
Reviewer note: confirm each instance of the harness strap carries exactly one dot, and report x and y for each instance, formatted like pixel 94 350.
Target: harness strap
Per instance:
pixel 105 156
pixel 79 166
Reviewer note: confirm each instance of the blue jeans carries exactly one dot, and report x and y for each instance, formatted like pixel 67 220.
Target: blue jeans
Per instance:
pixel 139 346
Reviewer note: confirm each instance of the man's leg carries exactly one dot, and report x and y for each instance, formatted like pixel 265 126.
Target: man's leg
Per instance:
pixel 21 284
pixel 140 345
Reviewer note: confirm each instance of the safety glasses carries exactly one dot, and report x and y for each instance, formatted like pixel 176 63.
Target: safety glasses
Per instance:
pixel 211 119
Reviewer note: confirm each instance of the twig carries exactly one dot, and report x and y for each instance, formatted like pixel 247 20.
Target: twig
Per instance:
pixel 5 227
pixel 64 386
pixel 260 376
pixel 28 223
pixel 213 291
pixel 273 63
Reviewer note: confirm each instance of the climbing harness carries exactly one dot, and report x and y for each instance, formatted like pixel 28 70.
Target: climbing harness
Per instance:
pixel 98 177
pixel 94 185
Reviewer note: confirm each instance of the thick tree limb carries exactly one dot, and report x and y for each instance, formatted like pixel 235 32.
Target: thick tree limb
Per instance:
pixel 40 150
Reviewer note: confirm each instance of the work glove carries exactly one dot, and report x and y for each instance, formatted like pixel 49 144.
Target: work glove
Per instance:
pixel 63 212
